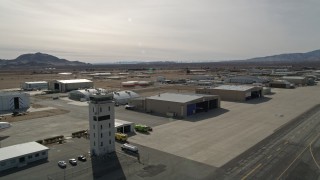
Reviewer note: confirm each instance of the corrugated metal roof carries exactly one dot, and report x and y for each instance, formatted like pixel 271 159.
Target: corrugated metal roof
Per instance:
pixel 234 88
pixel 20 150
pixel 74 81
pixel 119 123
pixel 180 98
pixel 293 77
pixel 36 82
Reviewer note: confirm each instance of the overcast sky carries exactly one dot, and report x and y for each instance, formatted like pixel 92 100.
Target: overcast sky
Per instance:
pixel 181 30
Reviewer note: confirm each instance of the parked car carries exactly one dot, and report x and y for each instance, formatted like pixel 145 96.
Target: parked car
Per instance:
pixel 73 162
pixel 82 158
pixel 62 164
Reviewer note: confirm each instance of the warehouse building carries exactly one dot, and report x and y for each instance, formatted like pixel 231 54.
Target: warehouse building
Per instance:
pixel 176 105
pixel 69 85
pixel 297 80
pixel 14 102
pixel 233 93
pixel 21 155
pixel 246 80
pixel 281 84
pixel 37 85
pixel 123 126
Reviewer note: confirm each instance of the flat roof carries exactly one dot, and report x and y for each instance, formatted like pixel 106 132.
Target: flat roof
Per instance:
pixel 293 77
pixel 20 150
pixel 234 87
pixel 74 81
pixel 119 123
pixel 180 98
pixel 36 82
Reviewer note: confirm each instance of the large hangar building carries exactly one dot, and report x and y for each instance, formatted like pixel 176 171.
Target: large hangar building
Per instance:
pixel 14 102
pixel 177 105
pixel 233 93
pixel 69 85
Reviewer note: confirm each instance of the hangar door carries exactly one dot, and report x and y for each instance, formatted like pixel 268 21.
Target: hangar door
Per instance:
pixel 202 106
pixel 213 104
pixel 191 109
pixel 124 129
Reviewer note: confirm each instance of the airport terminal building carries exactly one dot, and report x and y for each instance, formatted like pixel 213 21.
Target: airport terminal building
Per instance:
pixel 21 155
pixel 233 93
pixel 177 105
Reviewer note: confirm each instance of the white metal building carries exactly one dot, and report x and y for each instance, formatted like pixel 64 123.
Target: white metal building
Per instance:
pixel 21 155
pixel 246 80
pixel 36 85
pixel 123 97
pixel 84 94
pixel 101 124
pixel 14 101
pixel 69 85
pixel 124 126
pixel 297 80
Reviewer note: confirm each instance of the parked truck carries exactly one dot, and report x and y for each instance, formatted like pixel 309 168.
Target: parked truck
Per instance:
pixel 142 128
pixel 129 148
pixel 121 136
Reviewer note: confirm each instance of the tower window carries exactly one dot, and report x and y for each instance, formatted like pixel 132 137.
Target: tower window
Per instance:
pixel 109 141
pixel 109 108
pixel 101 144
pixel 94 143
pixel 94 134
pixel 101 135
pixel 101 126
pixel 109 125
pixel 100 109
pixel 109 133
pixel 92 109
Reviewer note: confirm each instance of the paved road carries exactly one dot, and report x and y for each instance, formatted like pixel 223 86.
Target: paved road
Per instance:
pixel 279 156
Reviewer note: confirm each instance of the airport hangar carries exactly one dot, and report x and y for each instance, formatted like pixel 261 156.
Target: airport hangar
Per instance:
pixel 176 105
pixel 233 93
pixel 69 85
pixel 14 101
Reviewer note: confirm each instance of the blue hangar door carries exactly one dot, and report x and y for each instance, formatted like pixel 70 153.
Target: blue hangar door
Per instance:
pixel 191 108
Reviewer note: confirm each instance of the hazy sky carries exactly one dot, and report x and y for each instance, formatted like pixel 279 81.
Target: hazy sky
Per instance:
pixel 114 30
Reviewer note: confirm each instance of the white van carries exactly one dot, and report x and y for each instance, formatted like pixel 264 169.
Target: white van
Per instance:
pixel 129 147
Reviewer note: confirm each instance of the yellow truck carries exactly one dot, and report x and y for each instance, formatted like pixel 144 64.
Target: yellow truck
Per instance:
pixel 121 136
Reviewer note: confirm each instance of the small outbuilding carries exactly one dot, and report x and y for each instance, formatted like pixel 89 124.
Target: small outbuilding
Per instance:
pixel 36 85
pixel 14 101
pixel 69 85
pixel 177 105
pixel 123 126
pixel 233 92
pixel 21 155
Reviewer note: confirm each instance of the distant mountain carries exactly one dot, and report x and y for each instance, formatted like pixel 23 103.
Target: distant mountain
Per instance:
pixel 39 60
pixel 313 56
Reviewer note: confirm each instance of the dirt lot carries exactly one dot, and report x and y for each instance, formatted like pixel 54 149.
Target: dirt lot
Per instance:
pixel 34 115
pixel 15 79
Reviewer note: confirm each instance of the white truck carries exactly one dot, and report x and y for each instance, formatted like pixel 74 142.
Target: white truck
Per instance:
pixel 128 147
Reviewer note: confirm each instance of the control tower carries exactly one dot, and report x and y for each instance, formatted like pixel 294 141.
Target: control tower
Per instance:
pixel 101 124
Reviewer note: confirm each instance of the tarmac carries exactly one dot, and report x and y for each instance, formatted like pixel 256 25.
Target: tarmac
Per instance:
pixel 216 137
